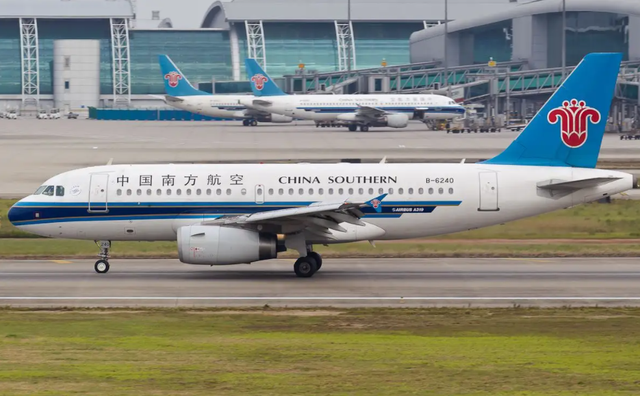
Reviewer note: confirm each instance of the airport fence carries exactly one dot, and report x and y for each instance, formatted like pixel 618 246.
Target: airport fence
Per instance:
pixel 147 115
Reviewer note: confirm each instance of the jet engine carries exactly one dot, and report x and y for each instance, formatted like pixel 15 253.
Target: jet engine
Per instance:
pixel 215 245
pixel 275 118
pixel 397 120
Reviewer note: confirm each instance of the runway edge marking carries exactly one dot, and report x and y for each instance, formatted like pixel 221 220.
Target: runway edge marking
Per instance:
pixel 29 298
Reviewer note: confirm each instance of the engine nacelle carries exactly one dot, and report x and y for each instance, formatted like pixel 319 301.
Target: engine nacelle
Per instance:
pixel 397 120
pixel 214 245
pixel 275 118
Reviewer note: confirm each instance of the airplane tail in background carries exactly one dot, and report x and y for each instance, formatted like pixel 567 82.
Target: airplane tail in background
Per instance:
pixel 568 130
pixel 175 83
pixel 261 83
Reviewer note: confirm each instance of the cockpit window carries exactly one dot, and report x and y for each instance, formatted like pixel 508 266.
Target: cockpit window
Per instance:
pixel 39 190
pixel 59 191
pixel 48 191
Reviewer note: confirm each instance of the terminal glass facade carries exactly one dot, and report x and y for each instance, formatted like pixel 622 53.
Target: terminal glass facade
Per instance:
pixel 490 41
pixel 588 32
pixel 201 55
pixel 10 66
pixel 377 41
pixel 50 30
pixel 288 44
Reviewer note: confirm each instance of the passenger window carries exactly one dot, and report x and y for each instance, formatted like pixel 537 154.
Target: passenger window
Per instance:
pixel 244 191
pixel 139 192
pixel 119 192
pixel 168 191
pixel 208 191
pixel 431 191
pixel 218 192
pixel 411 191
pixel 340 191
pixel 271 191
pixel 259 191
pixel 228 191
pixel 198 192
pixel 148 191
pixel 380 191
pixel 320 191
pixel 291 191
pixel 178 192
pixel 188 191
pixel 281 191
pixel 360 191
pixel 401 191
pixel 370 191
pixel 451 191
pixel 129 191
pixel 390 191
pixel 331 191
pixel 159 192
pixel 311 191
pixel 351 191
pixel 441 190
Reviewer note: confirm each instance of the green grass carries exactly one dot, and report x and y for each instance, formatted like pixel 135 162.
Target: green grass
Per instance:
pixel 355 352
pixel 616 220
pixel 53 248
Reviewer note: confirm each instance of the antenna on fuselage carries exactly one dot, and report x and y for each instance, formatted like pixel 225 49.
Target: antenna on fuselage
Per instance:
pixel 110 161
pixel 384 160
pixel 463 160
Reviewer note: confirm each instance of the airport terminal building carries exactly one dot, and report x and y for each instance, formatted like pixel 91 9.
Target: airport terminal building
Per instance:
pixel 103 53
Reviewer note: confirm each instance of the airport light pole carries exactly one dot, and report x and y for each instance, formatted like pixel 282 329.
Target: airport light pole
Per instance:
pixel 446 34
pixel 564 38
pixel 350 36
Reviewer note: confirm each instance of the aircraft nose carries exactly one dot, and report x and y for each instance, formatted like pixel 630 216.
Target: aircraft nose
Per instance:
pixel 12 215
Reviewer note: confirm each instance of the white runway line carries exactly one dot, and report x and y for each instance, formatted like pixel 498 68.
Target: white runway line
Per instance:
pixel 28 298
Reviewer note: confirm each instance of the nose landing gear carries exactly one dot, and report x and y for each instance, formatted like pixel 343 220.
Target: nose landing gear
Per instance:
pixel 102 266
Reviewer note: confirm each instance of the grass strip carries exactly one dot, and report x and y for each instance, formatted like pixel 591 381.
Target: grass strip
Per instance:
pixel 321 352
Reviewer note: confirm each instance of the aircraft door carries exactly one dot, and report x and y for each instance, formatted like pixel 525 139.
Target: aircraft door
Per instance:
pixel 488 191
pixel 259 194
pixel 98 188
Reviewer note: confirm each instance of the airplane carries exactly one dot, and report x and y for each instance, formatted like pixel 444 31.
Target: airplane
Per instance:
pixel 243 213
pixel 182 95
pixel 364 111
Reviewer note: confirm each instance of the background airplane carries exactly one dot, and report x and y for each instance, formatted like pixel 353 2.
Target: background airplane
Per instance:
pixel 182 95
pixel 225 214
pixel 364 111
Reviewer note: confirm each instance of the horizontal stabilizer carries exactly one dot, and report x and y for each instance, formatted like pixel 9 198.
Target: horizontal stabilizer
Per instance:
pixel 557 185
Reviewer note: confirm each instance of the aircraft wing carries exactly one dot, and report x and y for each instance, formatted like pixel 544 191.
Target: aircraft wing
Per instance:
pixel 262 102
pixel 555 185
pixel 369 111
pixel 169 98
pixel 318 218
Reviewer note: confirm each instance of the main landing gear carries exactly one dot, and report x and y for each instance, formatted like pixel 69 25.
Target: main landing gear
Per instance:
pixel 306 267
pixel 354 127
pixel 249 122
pixel 102 265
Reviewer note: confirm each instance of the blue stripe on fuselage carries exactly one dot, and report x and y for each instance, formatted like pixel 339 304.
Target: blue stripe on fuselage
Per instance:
pixel 27 213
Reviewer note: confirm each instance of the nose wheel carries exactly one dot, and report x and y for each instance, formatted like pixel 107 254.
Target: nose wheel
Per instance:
pixel 102 266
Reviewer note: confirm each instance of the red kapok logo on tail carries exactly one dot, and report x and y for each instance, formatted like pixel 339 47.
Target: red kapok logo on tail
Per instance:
pixel 375 203
pixel 173 78
pixel 259 80
pixel 575 117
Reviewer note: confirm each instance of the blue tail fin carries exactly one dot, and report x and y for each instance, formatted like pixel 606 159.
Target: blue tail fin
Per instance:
pixel 568 130
pixel 261 83
pixel 175 83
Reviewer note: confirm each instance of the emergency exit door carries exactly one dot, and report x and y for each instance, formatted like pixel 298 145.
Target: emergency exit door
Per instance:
pixel 488 191
pixel 98 188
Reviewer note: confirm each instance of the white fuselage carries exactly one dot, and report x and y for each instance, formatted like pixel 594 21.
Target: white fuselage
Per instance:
pixel 331 107
pixel 218 106
pixel 150 202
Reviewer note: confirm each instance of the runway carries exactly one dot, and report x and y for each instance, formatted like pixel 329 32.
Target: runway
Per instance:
pixel 340 283
pixel 36 150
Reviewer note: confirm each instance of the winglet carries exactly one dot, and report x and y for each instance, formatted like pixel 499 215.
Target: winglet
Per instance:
pixel 376 203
